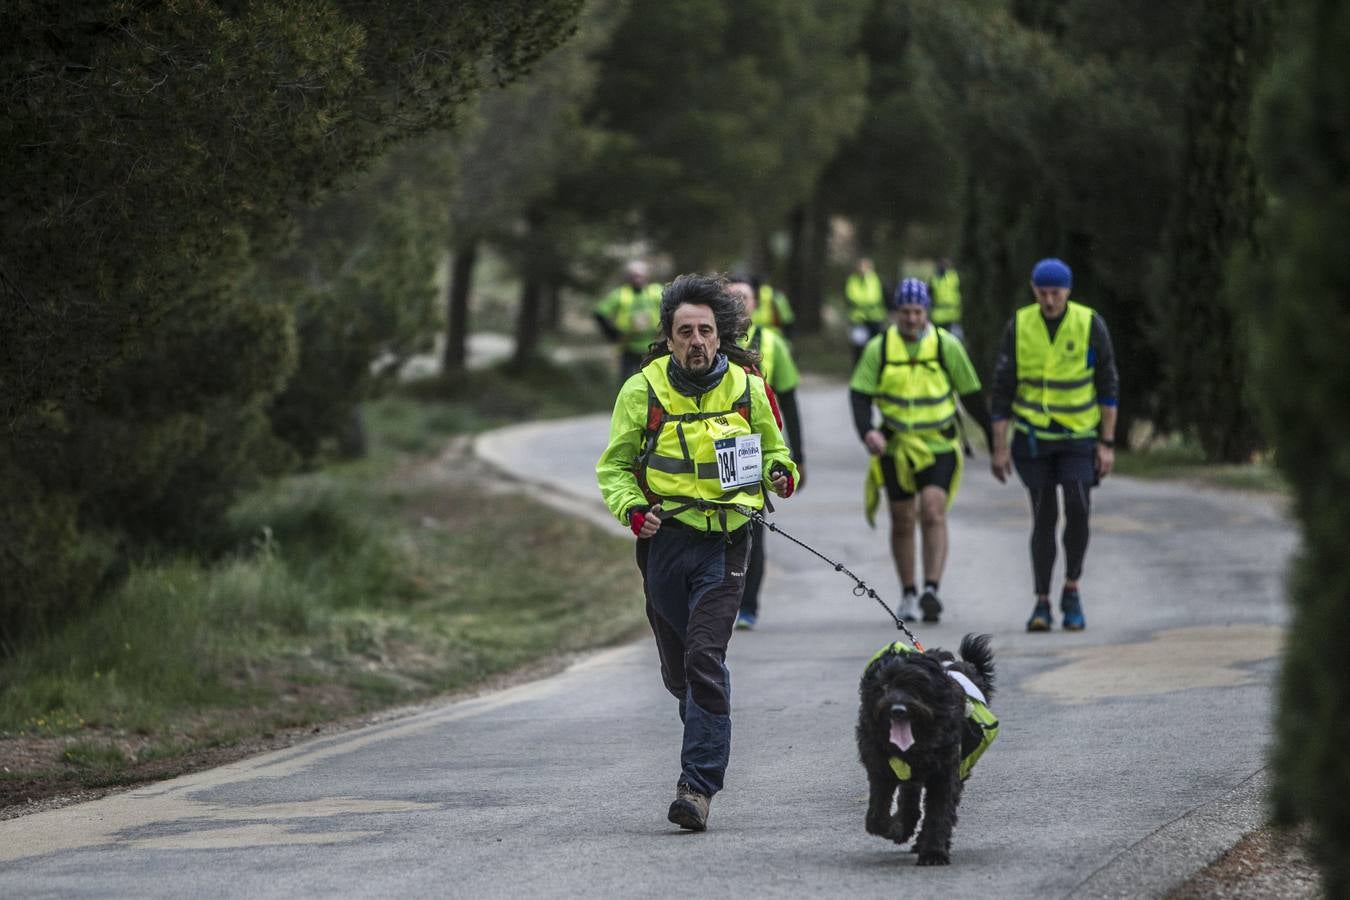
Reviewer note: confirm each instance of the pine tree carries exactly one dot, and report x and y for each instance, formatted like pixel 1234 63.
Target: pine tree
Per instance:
pixel 1204 333
pixel 1297 296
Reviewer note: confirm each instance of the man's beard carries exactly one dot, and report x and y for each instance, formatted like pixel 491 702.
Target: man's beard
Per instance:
pixel 697 365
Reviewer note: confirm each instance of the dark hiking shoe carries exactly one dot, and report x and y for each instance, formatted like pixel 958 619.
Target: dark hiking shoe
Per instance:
pixel 931 606
pixel 1072 606
pixel 690 809
pixel 1040 618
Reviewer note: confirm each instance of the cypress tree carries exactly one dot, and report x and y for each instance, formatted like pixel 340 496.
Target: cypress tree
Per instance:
pixel 1203 334
pixel 1298 301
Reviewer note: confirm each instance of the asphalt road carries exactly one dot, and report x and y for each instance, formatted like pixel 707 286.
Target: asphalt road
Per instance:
pixel 1131 754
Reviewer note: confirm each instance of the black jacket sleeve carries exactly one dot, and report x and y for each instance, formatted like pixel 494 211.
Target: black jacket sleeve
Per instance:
pixel 1107 377
pixel 862 412
pixel 792 425
pixel 606 327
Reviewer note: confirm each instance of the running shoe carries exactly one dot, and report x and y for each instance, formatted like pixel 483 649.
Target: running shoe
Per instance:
pixel 909 608
pixel 931 606
pixel 745 621
pixel 1071 604
pixel 1040 617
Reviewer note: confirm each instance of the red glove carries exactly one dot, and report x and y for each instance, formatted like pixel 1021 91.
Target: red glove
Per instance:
pixel 636 517
pixel 791 482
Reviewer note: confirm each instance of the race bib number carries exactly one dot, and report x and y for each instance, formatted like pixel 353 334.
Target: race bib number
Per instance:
pixel 738 460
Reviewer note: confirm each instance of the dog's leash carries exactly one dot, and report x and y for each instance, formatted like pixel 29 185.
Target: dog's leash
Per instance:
pixel 861 588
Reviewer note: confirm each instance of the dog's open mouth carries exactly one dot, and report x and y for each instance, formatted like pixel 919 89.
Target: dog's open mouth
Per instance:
pixel 902 735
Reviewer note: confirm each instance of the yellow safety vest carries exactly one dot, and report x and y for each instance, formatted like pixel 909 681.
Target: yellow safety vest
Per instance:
pixel 638 317
pixel 914 393
pixel 763 342
pixel 1054 379
pixel 679 461
pixel 980 731
pixel 866 302
pixel 946 298
pixel 773 309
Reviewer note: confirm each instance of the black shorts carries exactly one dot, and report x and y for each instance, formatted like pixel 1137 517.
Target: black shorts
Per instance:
pixel 1047 463
pixel 939 474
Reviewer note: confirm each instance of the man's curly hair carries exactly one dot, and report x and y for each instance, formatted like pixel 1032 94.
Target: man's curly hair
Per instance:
pixel 728 315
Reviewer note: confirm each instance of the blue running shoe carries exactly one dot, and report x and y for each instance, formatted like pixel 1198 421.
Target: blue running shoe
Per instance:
pixel 745 621
pixel 1072 606
pixel 1040 617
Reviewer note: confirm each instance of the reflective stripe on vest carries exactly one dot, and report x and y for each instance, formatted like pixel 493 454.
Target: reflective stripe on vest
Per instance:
pixel 1055 384
pixel 679 462
pixel 946 298
pixel 914 393
pixel 866 302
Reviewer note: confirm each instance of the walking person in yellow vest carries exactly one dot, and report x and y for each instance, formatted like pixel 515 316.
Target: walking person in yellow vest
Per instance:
pixel 945 288
pixel 866 302
pixel 629 316
pixel 773 309
pixel 780 374
pixel 913 373
pixel 1056 385
pixel 693 446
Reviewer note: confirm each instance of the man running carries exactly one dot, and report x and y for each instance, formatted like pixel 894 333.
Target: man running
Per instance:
pixel 693 446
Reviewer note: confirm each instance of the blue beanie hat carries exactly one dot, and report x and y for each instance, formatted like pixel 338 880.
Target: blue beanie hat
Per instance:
pixel 911 291
pixel 1052 273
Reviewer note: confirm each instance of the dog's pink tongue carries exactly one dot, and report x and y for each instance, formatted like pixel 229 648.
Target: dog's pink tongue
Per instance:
pixel 902 735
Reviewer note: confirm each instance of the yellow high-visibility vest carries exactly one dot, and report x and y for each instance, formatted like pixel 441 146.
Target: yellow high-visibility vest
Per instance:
pixel 866 301
pixel 946 298
pixel 914 393
pixel 1055 382
pixel 679 461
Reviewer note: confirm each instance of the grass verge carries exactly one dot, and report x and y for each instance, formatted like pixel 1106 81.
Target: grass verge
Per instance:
pixel 1181 461
pixel 357 587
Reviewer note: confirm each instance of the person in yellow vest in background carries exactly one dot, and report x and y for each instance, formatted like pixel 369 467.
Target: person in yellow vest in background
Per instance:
pixel 945 289
pixel 1055 382
pixel 865 299
pixel 914 373
pixel 773 310
pixel 693 447
pixel 780 374
pixel 629 316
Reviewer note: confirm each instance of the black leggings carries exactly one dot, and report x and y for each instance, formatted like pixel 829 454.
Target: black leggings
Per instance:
pixel 1045 517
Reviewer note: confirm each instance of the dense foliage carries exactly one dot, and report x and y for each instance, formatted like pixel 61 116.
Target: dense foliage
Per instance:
pixel 1297 298
pixel 150 154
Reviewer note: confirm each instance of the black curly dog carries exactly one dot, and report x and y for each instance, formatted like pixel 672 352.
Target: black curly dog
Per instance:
pixel 914 721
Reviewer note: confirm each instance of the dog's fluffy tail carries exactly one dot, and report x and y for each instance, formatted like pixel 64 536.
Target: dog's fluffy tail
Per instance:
pixel 975 650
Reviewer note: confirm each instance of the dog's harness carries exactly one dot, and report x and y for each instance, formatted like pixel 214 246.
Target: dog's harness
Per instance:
pixel 981 723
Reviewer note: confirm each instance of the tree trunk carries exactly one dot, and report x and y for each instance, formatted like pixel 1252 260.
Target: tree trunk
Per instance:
pixel 808 227
pixel 553 309
pixel 457 307
pixel 527 321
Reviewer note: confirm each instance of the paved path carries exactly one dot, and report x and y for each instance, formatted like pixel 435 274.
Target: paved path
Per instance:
pixel 1131 754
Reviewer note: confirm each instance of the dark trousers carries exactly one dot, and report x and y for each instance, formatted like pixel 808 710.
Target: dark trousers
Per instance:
pixel 693 583
pixel 630 363
pixel 1045 467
